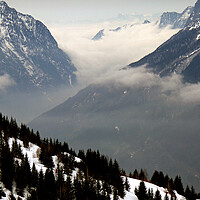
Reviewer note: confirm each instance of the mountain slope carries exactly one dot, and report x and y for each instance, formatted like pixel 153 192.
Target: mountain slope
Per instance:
pixel 32 168
pixel 180 54
pixel 177 20
pixel 139 127
pixel 29 54
pixel 144 120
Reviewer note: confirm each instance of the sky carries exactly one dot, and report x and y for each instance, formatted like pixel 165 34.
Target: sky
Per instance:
pixel 73 11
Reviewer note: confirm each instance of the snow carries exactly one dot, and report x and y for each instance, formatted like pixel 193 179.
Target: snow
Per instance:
pixel 135 183
pixel 33 152
pixel 195 26
pixel 198 37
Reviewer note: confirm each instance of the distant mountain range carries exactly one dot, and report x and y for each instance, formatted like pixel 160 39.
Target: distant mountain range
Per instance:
pixel 30 55
pixel 101 33
pixel 139 126
pixel 176 20
pixel 180 54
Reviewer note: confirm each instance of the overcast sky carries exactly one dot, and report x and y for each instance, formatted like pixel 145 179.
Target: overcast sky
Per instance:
pixel 67 11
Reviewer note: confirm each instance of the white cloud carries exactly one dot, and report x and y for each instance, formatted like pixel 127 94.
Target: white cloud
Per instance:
pixel 101 61
pixel 97 59
pixel 5 82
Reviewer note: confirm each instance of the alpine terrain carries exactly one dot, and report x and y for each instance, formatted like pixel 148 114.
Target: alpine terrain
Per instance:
pixel 29 55
pixel 45 169
pixel 146 117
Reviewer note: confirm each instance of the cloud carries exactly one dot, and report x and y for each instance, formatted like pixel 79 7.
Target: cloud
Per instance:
pixel 172 87
pixel 101 61
pixel 98 59
pixel 5 82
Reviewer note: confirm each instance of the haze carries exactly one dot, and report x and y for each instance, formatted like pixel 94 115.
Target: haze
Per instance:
pixel 67 11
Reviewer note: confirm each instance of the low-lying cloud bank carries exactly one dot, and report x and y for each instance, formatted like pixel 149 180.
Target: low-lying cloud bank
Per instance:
pixel 5 82
pixel 99 59
pixel 171 87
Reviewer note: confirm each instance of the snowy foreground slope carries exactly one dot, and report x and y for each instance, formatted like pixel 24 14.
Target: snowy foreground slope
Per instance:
pixel 33 152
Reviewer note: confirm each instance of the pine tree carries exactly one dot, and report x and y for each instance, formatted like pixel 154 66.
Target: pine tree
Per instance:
pixel 157 195
pixel 190 194
pixel 141 192
pixel 155 178
pixel 135 174
pixel 2 194
pixel 70 189
pixel 50 185
pixel 7 166
pixel 127 185
pixel 11 197
pixel 178 186
pixel 115 196
pixel 34 176
pixel 166 196
pixel 40 187
pixel 150 194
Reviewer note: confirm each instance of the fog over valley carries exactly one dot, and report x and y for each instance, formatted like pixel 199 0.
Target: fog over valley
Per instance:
pixel 123 83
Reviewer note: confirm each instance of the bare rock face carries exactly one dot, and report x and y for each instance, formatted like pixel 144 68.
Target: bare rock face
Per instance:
pixel 29 54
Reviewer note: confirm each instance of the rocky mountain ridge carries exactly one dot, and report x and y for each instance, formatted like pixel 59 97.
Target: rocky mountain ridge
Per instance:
pixel 30 55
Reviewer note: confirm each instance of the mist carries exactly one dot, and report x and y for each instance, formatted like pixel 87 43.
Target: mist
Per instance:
pixel 24 107
pixel 5 82
pixel 141 119
pixel 95 61
pixel 98 59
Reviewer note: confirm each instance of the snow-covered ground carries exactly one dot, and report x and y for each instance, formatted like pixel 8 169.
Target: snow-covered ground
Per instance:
pixel 33 152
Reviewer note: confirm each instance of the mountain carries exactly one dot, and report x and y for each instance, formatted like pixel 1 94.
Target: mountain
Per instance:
pixel 103 32
pixel 99 35
pixel 177 20
pixel 34 168
pixel 180 54
pixel 145 120
pixel 30 55
pixel 140 127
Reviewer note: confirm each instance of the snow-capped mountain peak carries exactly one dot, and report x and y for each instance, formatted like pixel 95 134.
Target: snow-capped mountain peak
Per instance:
pixel 30 54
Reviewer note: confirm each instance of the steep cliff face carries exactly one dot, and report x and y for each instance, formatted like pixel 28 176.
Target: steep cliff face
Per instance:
pixel 180 54
pixel 30 54
pixel 177 20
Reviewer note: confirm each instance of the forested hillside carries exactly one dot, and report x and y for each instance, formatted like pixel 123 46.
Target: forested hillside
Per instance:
pixel 35 168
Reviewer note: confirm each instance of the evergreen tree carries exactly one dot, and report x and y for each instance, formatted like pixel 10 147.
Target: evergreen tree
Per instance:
pixel 141 192
pixel 7 166
pixel 190 194
pixel 127 185
pixel 157 195
pixel 115 194
pixel 16 150
pixel 135 174
pixel 143 175
pixel 40 187
pixel 2 194
pixel 155 178
pixel 69 189
pixel 50 185
pixel 178 186
pixel 11 197
pixel 26 171
pixel 166 196
pixel 34 176
pixel 150 194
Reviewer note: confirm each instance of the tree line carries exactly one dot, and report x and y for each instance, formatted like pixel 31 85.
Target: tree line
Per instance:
pixel 93 176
